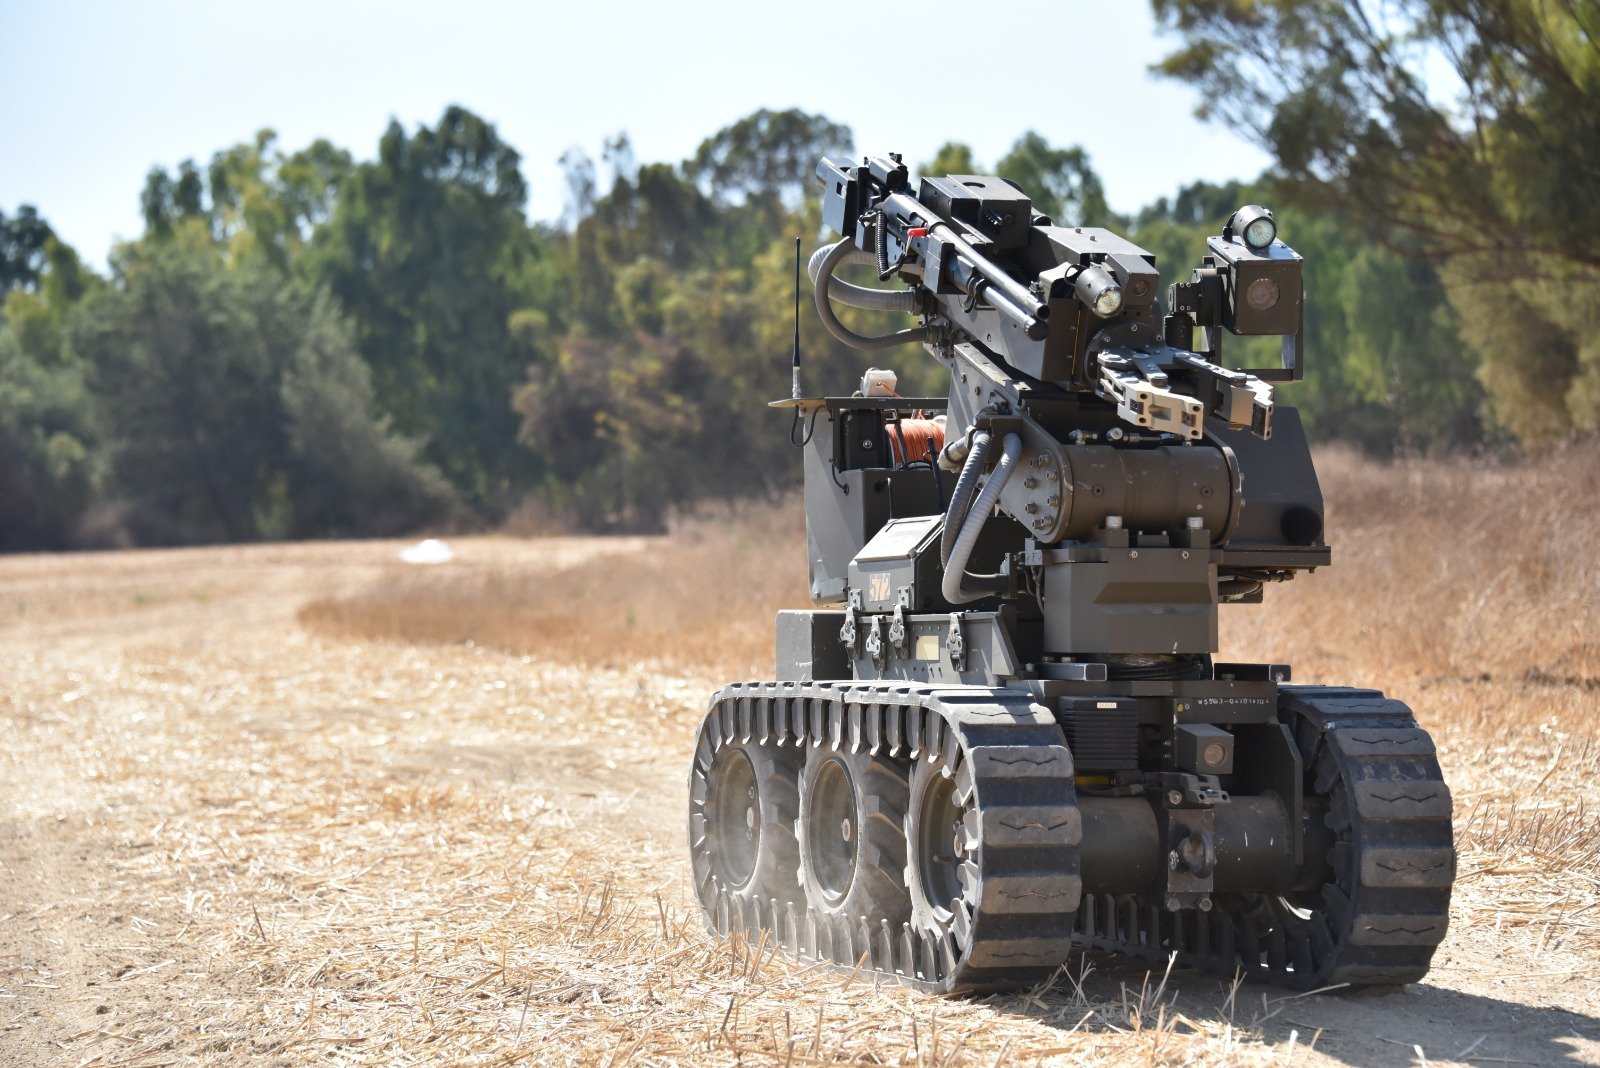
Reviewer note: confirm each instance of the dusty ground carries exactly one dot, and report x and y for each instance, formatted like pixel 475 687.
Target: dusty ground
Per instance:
pixel 228 839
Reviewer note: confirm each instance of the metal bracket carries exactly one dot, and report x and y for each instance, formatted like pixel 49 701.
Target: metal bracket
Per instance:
pixel 956 643
pixel 1191 858
pixel 875 646
pixel 847 633
pixel 897 625
pixel 1189 823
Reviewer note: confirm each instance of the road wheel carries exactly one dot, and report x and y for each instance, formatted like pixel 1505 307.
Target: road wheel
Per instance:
pixel 941 869
pixel 744 798
pixel 851 832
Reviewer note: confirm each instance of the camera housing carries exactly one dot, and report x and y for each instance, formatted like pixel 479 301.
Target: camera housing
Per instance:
pixel 1261 288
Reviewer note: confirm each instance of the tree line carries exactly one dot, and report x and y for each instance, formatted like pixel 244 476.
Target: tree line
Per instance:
pixel 305 343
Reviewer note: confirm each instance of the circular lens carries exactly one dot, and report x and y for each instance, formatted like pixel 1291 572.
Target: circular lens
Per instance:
pixel 1262 294
pixel 1107 303
pixel 1259 234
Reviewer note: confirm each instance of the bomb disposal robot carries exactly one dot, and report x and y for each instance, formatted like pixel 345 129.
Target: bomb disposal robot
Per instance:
pixel 1001 731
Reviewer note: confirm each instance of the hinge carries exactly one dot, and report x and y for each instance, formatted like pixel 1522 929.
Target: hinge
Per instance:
pixel 847 633
pixel 897 626
pixel 956 643
pixel 875 647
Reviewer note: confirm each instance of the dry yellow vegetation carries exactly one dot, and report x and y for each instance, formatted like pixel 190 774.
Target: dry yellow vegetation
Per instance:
pixel 305 804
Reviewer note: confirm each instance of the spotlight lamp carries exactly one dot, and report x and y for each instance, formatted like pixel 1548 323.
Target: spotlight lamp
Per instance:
pixel 1254 225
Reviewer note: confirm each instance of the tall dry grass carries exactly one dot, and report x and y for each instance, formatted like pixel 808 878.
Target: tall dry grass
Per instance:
pixel 1457 568
pixel 701 598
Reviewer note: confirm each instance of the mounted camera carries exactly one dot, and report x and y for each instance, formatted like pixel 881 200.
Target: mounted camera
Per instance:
pixel 1249 284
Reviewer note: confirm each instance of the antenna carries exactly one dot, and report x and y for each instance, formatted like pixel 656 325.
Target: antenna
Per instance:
pixel 795 388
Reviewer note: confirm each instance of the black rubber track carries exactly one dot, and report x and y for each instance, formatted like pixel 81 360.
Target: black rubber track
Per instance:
pixel 1393 860
pixel 1015 778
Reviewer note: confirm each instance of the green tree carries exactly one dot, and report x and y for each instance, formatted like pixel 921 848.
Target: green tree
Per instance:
pixel 1466 130
pixel 254 200
pixel 953 157
pixel 49 467
pixel 769 157
pixel 425 249
pixel 23 237
pixel 1061 181
pixel 231 403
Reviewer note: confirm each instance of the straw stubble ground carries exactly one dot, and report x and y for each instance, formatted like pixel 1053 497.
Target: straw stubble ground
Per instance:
pixel 268 805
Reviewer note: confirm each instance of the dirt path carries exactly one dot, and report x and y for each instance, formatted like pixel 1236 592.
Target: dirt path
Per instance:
pixel 224 840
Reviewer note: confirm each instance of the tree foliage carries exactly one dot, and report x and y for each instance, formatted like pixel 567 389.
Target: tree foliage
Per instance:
pixel 1467 131
pixel 303 343
pixel 423 249
pixel 235 406
pixel 1060 180
pixel 23 237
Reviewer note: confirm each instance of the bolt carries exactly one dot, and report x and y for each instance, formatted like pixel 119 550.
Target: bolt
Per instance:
pixel 1174 797
pixel 1052 500
pixel 1030 482
pixel 1205 904
pixel 1031 507
pixel 1173 904
pixel 845 830
pixel 1051 475
pixel 1041 523
pixel 866 443
pixel 1133 554
pixel 1185 554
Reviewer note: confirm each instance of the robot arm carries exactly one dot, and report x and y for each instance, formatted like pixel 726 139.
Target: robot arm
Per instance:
pixel 1069 307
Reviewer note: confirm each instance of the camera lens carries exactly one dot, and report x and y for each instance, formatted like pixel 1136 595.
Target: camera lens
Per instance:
pixel 1262 295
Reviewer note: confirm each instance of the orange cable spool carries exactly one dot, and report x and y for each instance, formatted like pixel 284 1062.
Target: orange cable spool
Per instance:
pixel 920 435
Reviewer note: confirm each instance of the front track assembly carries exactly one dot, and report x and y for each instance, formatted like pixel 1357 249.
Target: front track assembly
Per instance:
pixel 1014 853
pixel 940 842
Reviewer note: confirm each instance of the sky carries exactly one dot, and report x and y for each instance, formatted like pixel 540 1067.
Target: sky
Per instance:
pixel 94 94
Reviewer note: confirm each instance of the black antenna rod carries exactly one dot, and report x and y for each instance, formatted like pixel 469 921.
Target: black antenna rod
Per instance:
pixel 795 388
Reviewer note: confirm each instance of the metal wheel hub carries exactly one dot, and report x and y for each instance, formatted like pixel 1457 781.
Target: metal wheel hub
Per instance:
pixel 735 819
pixel 831 841
pixel 940 847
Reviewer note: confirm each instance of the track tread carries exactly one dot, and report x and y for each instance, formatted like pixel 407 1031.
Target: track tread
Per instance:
pixel 1010 761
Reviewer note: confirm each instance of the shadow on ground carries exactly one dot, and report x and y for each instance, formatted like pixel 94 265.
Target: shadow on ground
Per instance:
pixel 1371 1027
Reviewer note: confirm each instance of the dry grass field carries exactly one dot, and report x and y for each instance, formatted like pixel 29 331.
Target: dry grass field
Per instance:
pixel 304 804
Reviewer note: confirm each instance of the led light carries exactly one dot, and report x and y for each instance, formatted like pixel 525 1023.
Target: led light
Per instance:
pixel 1107 303
pixel 1098 289
pixel 1260 233
pixel 1262 294
pixel 1254 225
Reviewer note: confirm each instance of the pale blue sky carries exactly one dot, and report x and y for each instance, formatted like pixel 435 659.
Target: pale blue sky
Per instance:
pixel 92 94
